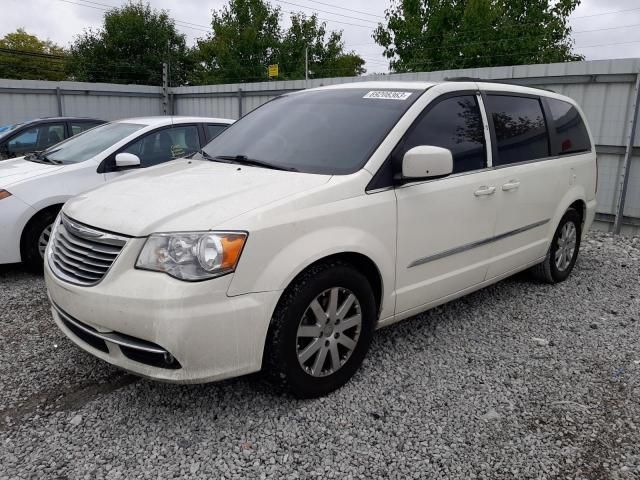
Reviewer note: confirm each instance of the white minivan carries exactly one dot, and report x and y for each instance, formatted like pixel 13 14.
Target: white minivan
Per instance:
pixel 285 247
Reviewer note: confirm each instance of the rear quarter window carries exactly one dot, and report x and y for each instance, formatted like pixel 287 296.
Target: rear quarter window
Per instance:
pixel 571 134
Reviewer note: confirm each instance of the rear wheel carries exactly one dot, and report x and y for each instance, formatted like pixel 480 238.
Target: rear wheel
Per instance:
pixel 563 252
pixel 321 330
pixel 35 238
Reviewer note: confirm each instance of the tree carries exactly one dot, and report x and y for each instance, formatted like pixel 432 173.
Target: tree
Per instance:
pixel 425 35
pixel 326 57
pixel 245 40
pixel 133 43
pixel 25 56
pixel 247 37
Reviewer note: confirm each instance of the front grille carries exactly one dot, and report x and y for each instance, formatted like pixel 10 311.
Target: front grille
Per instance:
pixel 81 254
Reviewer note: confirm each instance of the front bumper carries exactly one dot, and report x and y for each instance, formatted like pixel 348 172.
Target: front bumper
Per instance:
pixel 210 335
pixel 14 215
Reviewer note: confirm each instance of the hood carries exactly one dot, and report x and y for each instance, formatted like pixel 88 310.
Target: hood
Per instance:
pixel 17 170
pixel 185 195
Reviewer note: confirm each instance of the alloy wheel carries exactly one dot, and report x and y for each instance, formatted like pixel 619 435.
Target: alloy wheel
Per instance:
pixel 43 240
pixel 566 246
pixel 328 332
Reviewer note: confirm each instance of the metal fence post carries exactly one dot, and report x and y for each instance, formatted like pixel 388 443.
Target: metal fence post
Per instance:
pixel 59 100
pixel 239 103
pixel 626 164
pixel 165 89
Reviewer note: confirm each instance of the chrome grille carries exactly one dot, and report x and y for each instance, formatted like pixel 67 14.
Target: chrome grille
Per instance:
pixel 81 254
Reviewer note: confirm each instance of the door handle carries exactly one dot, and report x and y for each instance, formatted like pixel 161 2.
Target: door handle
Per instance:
pixel 484 190
pixel 511 185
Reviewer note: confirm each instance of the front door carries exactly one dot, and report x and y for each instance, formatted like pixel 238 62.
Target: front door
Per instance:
pixel 445 225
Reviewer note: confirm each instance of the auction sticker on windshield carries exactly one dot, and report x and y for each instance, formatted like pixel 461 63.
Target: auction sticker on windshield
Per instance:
pixel 387 95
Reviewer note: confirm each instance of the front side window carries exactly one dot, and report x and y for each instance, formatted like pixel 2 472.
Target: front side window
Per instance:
pixel 332 131
pixel 36 138
pixel 165 144
pixel 455 124
pixel 571 132
pixel 91 143
pixel 520 127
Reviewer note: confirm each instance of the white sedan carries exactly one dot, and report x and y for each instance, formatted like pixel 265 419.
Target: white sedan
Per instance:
pixel 34 188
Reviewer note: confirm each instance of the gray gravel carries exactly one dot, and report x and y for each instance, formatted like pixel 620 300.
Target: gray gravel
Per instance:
pixel 520 380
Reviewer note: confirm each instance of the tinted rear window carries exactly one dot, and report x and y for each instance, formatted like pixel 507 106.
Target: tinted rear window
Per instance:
pixel 520 127
pixel 323 131
pixel 571 132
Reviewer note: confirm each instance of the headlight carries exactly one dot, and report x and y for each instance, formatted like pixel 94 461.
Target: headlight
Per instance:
pixel 192 255
pixel 4 194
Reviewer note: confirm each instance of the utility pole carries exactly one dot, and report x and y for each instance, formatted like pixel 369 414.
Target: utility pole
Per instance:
pixel 306 67
pixel 165 88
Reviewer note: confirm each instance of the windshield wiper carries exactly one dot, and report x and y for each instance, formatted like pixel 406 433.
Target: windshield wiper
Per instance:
pixel 244 160
pixel 42 158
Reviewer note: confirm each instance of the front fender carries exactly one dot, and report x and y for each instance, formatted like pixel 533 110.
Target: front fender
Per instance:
pixel 274 256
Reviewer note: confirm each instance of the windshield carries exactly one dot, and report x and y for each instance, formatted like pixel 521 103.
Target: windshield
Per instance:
pixel 87 144
pixel 324 131
pixel 5 129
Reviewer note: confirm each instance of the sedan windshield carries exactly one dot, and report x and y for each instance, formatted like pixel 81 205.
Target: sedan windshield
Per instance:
pixel 88 144
pixel 329 131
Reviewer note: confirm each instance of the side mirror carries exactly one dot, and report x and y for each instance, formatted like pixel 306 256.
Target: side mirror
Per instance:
pixel 426 161
pixel 127 160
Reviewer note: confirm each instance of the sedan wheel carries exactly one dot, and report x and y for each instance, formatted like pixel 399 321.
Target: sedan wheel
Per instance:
pixel 43 240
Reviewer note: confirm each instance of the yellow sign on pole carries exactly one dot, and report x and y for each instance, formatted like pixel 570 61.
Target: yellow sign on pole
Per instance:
pixel 273 70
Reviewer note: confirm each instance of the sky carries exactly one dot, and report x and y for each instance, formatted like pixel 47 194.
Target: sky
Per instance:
pixel 602 29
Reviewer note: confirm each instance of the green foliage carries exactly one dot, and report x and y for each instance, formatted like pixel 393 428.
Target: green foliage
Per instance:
pixel 25 56
pixel 247 37
pixel 326 57
pixel 426 35
pixel 245 40
pixel 130 47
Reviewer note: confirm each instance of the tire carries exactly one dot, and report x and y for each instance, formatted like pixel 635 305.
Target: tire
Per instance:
pixel 557 266
pixel 301 354
pixel 32 237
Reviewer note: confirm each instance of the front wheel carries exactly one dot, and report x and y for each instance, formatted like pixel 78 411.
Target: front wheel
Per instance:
pixel 321 330
pixel 35 238
pixel 563 252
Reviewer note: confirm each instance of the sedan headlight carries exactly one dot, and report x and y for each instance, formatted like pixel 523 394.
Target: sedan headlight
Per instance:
pixel 4 194
pixel 192 255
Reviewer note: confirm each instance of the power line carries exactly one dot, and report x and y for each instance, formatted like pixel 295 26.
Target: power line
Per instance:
pixel 345 8
pixel 325 11
pixel 606 13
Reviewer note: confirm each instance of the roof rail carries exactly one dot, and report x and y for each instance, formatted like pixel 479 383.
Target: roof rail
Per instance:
pixel 488 80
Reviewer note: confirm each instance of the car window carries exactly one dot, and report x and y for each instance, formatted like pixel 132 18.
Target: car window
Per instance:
pixel 37 138
pixel 571 132
pixel 520 127
pixel 331 131
pixel 165 144
pixel 214 130
pixel 454 123
pixel 78 127
pixel 83 147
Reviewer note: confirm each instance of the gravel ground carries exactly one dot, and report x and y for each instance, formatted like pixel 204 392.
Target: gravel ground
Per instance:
pixel 519 380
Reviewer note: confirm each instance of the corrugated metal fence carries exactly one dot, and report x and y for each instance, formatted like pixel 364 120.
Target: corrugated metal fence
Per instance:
pixel 606 90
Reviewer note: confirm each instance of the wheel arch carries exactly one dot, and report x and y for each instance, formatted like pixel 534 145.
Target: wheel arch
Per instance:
pixel 55 208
